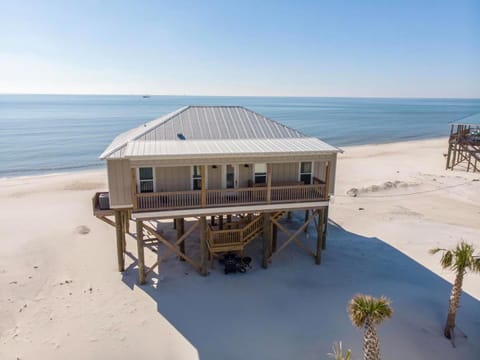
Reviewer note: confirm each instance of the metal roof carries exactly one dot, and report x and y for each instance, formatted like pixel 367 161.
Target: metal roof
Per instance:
pixel 196 130
pixel 229 147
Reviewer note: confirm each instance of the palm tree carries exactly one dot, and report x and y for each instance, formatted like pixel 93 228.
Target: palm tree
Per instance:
pixel 337 353
pixel 461 259
pixel 368 312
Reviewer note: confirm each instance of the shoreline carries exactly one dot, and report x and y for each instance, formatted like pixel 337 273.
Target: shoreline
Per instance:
pixel 102 168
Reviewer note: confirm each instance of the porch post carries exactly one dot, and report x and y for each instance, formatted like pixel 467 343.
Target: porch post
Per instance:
pixel 269 183
pixel 203 175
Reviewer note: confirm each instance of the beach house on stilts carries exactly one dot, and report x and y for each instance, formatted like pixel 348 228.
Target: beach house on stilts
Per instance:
pixel 232 170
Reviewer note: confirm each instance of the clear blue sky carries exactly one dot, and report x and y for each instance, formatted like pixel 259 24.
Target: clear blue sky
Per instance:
pixel 293 48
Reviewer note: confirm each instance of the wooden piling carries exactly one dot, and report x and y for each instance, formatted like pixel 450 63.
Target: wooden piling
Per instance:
pixel 203 246
pixel 120 239
pixel 266 240
pixel 325 225
pixel 141 255
pixel 307 214
pixel 180 227
pixel 320 219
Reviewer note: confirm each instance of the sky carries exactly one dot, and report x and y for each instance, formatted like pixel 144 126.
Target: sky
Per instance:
pixel 340 48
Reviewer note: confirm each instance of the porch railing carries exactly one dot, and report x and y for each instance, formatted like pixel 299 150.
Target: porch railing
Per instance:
pixel 227 197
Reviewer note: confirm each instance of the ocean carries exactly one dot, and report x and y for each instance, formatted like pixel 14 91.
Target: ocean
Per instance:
pixel 42 134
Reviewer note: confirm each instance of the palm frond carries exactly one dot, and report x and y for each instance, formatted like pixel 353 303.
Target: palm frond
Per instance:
pixel 447 259
pixel 435 250
pixel 337 352
pixel 459 259
pixel 362 307
pixel 476 265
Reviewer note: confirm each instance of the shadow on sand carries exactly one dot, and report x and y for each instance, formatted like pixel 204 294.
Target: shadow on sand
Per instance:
pixel 296 310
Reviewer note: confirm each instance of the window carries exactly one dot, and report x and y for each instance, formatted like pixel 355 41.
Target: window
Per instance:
pixel 260 171
pixel 306 172
pixel 196 178
pixel 146 180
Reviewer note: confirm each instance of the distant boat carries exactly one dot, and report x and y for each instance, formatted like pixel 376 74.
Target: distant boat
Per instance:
pixel 146 96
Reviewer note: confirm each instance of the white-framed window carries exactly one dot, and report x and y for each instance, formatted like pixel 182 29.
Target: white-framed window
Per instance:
pixel 305 173
pixel 146 180
pixel 196 177
pixel 260 173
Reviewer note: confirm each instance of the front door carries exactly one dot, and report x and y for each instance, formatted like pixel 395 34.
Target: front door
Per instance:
pixel 230 180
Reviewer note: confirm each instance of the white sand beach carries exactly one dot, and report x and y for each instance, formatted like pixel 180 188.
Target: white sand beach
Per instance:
pixel 62 297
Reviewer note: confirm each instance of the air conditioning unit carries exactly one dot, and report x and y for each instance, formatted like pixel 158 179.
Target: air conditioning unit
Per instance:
pixel 104 201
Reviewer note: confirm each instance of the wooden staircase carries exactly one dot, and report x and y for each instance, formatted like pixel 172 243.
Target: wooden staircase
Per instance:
pixel 238 234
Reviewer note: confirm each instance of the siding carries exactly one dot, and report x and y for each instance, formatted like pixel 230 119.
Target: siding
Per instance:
pixel 286 172
pixel 173 178
pixel 244 174
pixel 119 183
pixel 214 177
pixel 319 170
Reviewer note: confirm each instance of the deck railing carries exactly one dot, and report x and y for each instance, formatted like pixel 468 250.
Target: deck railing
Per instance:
pixel 227 197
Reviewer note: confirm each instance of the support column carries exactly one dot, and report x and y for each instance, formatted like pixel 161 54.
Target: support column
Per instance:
pixel 274 237
pixel 307 215
pixel 141 255
pixel 289 215
pixel 180 227
pixel 325 224
pixel 320 218
pixel 267 240
pixel 220 222
pixel 203 246
pixel 120 238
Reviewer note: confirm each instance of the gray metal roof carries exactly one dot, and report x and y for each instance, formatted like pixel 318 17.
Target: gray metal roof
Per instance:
pixel 229 147
pixel 202 127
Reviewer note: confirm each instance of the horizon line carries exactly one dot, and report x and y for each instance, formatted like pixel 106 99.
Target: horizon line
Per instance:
pixel 256 96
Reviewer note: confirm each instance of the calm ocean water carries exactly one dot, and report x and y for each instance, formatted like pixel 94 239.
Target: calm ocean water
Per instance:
pixel 54 133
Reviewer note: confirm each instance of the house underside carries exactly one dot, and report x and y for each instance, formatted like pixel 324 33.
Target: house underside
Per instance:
pixel 226 220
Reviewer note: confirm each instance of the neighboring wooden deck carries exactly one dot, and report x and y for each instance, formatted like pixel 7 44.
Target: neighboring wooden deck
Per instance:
pixel 464 147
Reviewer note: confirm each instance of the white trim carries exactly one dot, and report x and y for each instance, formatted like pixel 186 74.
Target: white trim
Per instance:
pixel 206 175
pixel 154 178
pixel 311 171
pixel 266 171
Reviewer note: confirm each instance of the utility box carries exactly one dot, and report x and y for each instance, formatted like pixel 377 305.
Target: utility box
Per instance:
pixel 104 201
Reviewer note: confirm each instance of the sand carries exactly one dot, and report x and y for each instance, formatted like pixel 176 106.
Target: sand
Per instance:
pixel 61 296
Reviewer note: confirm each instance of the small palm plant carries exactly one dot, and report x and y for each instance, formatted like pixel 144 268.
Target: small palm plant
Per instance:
pixel 461 259
pixel 367 312
pixel 337 353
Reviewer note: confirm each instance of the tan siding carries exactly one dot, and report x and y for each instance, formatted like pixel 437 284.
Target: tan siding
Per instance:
pixel 284 173
pixel 320 170
pixel 333 173
pixel 244 174
pixel 214 177
pixel 173 178
pixel 119 180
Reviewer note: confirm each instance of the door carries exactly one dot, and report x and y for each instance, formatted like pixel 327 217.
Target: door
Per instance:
pixel 230 178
